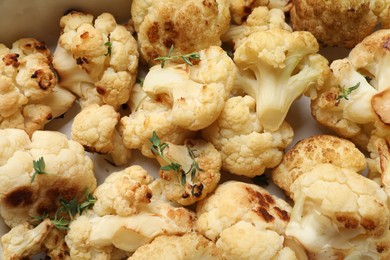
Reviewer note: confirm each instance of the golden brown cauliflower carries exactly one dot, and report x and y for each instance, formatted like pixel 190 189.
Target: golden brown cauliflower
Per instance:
pixel 96 59
pixel 29 95
pixel 340 23
pixel 188 25
pixel 241 9
pixel 64 171
pixel 311 151
pixel 188 246
pixel 245 222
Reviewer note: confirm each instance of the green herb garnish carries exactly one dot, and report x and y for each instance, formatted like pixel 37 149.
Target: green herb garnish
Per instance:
pixel 185 57
pixel 344 92
pixel 39 168
pixel 108 44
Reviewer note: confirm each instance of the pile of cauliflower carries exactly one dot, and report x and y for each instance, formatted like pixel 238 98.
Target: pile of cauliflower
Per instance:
pixel 202 89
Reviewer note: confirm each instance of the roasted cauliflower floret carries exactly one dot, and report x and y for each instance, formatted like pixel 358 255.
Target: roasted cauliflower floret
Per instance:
pixel 245 147
pixel 187 25
pixel 24 240
pixel 276 67
pixel 28 87
pixel 188 246
pixel 261 18
pixel 340 23
pixel 242 9
pixel 311 151
pixel 37 173
pixel 244 212
pixel 355 101
pixel 95 128
pixel 149 116
pixel 96 59
pixel 338 211
pixel 195 93
pixel 188 172
pixel 122 191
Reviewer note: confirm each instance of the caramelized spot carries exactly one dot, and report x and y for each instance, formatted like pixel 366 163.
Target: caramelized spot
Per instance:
pixel 198 190
pixel 282 214
pixel 348 222
pixel 153 33
pixel 269 199
pixel 45 80
pixel 257 197
pixel 185 195
pixel 381 248
pixel 89 149
pixel 11 59
pixel 49 116
pixel 262 212
pixel 149 195
pixel 100 90
pixel 40 46
pixel 368 224
pixel 386 44
pixel 46 207
pixel 21 196
pixel 207 3
pixel 79 61
pixel 84 35
pixel 168 42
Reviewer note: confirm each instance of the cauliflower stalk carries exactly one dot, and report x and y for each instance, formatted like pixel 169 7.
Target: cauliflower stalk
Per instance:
pixel 276 67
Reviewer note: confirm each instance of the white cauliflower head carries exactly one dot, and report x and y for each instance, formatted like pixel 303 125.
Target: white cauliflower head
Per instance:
pixel 188 172
pixel 276 67
pixel 188 246
pixel 337 210
pixel 311 151
pixel 28 87
pixel 244 220
pixel 95 128
pixel 187 25
pixel 149 116
pixel 197 93
pixel 36 173
pixel 96 59
pixel 245 147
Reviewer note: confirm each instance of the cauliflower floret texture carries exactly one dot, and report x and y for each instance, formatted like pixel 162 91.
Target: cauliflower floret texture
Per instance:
pixel 24 194
pixel 341 23
pixel 29 94
pixel 309 152
pixel 244 221
pixel 96 59
pixel 245 147
pixel 187 25
pixel 275 68
pixel 355 101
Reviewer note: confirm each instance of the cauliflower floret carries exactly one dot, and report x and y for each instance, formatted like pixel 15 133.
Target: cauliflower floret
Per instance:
pixel 140 223
pixel 24 193
pixel 277 67
pixel 28 87
pixel 188 246
pixel 245 147
pixel 189 172
pixel 357 96
pixel 311 151
pixel 242 9
pixel 122 192
pixel 261 18
pixel 23 240
pixel 337 210
pixel 95 128
pixel 341 23
pixel 149 116
pixel 96 60
pixel 196 93
pixel 247 212
pixel 187 25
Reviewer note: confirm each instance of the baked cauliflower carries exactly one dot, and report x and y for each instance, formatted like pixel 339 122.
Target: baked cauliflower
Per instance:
pixel 132 211
pixel 276 67
pixel 188 172
pixel 245 222
pixel 338 213
pixel 187 25
pixel 356 100
pixel 241 10
pixel 197 93
pixel 315 150
pixel 149 116
pixel 246 148
pixel 96 59
pixel 340 23
pixel 29 94
pixel 36 173
pixel 95 128
pixel 188 246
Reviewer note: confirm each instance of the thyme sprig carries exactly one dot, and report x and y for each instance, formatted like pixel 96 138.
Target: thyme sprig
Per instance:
pixel 187 58
pixel 344 92
pixel 108 44
pixel 39 168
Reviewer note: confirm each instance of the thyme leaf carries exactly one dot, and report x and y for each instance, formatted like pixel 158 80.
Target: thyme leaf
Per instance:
pixel 108 44
pixel 344 92
pixel 39 168
pixel 187 58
